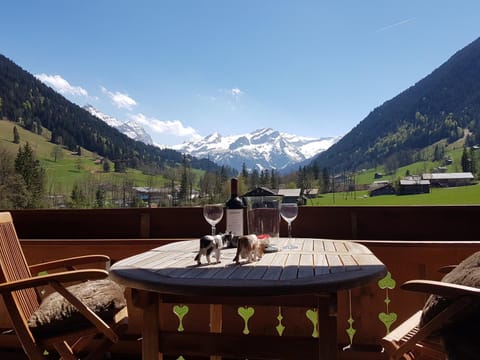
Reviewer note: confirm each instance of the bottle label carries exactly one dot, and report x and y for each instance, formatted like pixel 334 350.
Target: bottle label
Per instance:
pixel 235 221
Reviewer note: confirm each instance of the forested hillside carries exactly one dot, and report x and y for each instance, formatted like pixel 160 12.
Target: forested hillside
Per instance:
pixel 440 106
pixel 33 105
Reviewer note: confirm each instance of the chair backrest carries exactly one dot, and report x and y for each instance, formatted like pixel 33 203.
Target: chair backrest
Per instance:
pixel 14 266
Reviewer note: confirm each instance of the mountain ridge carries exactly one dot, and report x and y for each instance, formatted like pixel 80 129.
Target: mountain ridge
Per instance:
pixel 439 106
pixel 130 128
pixel 261 149
pixel 33 105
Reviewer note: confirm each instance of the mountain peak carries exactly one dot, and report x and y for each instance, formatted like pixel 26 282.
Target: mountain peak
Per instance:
pixel 130 128
pixel 261 149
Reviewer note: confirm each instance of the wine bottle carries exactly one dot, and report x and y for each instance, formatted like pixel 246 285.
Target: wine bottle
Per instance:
pixel 234 210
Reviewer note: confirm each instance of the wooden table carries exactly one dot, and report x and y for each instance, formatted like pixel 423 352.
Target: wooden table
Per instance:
pixel 317 268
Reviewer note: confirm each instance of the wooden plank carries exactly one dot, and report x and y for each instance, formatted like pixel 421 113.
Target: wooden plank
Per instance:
pixel 275 269
pixel 349 263
pixel 290 270
pixel 306 269
pixel 319 246
pixel 242 270
pixel 329 245
pixel 367 260
pixel 258 272
pixel 320 264
pixel 150 341
pixel 308 245
pixel 340 247
pixel 335 263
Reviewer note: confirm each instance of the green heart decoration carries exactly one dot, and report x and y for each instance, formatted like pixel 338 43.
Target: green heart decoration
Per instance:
pixel 312 315
pixel 387 319
pixel 387 282
pixel 246 313
pixel 180 311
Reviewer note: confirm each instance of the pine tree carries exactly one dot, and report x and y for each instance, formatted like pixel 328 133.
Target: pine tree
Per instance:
pixel 32 173
pixel 465 161
pixel 106 165
pixel 16 136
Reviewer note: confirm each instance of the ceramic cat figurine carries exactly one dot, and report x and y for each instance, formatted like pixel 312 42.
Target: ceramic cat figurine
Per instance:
pixel 209 243
pixel 249 247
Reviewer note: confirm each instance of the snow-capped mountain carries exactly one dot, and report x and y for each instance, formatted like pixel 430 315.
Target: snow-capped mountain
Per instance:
pixel 130 128
pixel 261 149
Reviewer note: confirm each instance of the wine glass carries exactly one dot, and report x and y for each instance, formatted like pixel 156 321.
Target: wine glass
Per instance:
pixel 289 212
pixel 213 213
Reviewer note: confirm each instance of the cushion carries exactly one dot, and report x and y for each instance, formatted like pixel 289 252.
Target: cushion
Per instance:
pixel 56 315
pixel 460 336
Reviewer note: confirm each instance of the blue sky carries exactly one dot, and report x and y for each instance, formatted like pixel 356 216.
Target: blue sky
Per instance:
pixel 187 68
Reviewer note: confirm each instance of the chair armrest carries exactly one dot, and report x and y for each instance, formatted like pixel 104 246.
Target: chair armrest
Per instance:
pixel 446 269
pixel 440 288
pixel 60 277
pixel 69 263
pixel 55 280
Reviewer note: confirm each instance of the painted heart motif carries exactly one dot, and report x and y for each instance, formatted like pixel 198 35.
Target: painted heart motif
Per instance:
pixel 387 319
pixel 246 313
pixel 312 315
pixel 180 311
pixel 387 282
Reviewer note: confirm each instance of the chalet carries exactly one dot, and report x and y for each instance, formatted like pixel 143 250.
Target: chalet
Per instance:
pixel 260 191
pixel 449 179
pixel 381 188
pixel 292 196
pixel 311 193
pixel 413 186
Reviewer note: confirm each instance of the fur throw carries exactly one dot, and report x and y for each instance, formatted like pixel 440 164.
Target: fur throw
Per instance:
pixel 55 314
pixel 460 336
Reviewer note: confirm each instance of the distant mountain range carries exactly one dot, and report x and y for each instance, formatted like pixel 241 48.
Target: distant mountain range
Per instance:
pixel 261 149
pixel 130 128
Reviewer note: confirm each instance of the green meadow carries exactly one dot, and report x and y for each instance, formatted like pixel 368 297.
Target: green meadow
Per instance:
pixel 462 195
pixel 72 169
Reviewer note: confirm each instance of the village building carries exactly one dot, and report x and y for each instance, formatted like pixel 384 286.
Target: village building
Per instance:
pixel 413 186
pixel 381 188
pixel 449 179
pixel 292 196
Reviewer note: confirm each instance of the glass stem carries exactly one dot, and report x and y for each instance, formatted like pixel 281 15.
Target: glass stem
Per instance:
pixel 289 230
pixel 213 230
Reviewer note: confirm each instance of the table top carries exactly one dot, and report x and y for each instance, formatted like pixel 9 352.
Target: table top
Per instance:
pixel 316 266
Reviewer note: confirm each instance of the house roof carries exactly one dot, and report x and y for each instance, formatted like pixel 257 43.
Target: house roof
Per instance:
pixel 407 182
pixel 289 192
pixel 260 191
pixel 448 176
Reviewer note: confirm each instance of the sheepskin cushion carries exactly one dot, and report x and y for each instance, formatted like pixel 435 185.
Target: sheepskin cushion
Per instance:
pixel 56 315
pixel 460 335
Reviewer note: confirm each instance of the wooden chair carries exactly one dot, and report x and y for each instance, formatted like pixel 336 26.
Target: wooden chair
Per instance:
pixel 409 340
pixel 22 300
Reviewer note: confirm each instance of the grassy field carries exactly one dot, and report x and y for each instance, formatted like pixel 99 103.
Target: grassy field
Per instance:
pixel 70 169
pixel 463 195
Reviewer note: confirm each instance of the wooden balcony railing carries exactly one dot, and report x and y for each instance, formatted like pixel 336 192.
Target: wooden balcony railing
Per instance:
pixel 413 242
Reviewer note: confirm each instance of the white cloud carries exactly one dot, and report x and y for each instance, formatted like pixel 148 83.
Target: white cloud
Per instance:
pixel 167 127
pixel 61 85
pixel 234 93
pixel 121 100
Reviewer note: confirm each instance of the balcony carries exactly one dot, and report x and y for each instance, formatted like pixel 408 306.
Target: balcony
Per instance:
pixel 413 242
